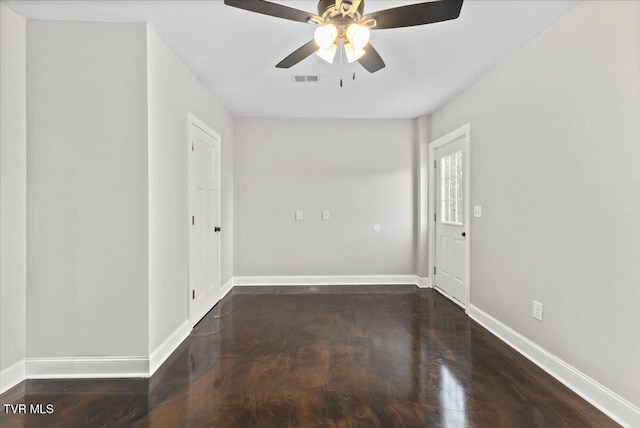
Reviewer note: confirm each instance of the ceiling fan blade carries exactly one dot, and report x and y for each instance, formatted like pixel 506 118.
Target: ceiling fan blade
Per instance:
pixel 416 14
pixel 371 60
pixel 271 9
pixel 298 55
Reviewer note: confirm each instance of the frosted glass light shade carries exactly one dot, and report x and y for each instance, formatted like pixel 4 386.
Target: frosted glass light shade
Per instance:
pixel 328 54
pixel 325 36
pixel 358 35
pixel 353 53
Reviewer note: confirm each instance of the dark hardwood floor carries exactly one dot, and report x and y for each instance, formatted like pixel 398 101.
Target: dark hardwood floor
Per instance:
pixel 357 356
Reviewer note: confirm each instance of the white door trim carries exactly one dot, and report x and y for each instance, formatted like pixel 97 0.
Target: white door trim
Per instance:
pixel 192 121
pixel 464 132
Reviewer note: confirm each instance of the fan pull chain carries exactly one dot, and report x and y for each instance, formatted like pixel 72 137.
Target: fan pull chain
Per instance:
pixel 341 53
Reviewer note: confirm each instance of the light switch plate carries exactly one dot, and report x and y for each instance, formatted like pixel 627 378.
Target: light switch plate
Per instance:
pixel 477 211
pixel 298 215
pixel 325 215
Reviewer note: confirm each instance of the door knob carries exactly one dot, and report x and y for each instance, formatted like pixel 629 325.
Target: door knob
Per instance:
pixel 217 229
pixel 464 234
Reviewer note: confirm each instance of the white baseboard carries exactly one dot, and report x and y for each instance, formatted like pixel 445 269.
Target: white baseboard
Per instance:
pixel 327 280
pixel 11 376
pixel 226 288
pixel 424 282
pixel 607 401
pixel 166 348
pixel 86 367
pixel 104 367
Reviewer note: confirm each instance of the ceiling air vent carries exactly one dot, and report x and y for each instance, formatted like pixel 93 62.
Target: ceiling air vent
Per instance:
pixel 304 79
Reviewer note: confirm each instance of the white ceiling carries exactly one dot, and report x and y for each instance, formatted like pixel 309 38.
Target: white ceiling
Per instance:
pixel 234 52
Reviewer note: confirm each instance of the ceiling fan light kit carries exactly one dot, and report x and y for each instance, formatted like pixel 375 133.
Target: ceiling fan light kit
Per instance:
pixel 345 27
pixel 329 38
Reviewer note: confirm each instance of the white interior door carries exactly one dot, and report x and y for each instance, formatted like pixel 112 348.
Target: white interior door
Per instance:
pixel 204 260
pixel 451 276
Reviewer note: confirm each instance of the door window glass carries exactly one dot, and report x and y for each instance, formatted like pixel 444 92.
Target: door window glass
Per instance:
pixel 451 189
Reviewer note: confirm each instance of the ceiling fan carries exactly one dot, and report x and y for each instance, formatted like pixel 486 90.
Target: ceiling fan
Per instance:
pixel 344 26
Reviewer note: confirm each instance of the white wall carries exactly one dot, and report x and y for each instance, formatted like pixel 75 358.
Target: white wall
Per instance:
pixel 13 190
pixel 174 91
pixel 555 142
pixel 87 228
pixel 362 171
pixel 421 164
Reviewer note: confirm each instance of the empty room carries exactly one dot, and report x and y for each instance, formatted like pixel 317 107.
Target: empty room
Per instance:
pixel 333 213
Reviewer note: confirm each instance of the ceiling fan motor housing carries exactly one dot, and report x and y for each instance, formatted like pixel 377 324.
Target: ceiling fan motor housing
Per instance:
pixel 325 5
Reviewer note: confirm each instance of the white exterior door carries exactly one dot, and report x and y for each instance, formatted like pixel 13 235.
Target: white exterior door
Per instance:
pixel 451 275
pixel 204 263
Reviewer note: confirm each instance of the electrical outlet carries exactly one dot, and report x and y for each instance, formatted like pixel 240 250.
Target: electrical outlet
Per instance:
pixel 537 310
